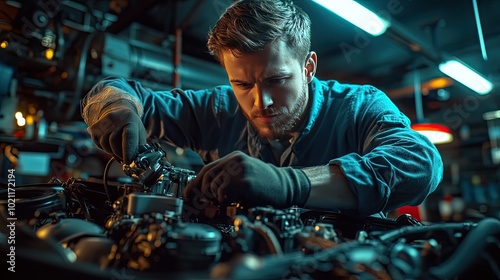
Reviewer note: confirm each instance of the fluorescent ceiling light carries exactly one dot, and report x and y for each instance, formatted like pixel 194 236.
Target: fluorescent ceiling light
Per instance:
pixel 466 75
pixel 356 14
pixel 489 116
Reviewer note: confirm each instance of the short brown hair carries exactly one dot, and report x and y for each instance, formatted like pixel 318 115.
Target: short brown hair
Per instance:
pixel 250 25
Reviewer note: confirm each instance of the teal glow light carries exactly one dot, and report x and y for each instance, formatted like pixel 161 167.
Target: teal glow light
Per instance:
pixel 356 14
pixel 466 76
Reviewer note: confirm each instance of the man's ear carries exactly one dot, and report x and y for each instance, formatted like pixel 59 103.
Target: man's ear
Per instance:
pixel 310 66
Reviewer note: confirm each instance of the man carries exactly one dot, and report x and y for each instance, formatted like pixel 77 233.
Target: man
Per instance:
pixel 277 135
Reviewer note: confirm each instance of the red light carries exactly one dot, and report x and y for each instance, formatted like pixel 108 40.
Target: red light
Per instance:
pixel 437 133
pixel 430 127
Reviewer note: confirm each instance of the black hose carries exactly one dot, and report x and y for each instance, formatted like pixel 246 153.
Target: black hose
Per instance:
pixel 105 178
pixel 412 233
pixel 469 250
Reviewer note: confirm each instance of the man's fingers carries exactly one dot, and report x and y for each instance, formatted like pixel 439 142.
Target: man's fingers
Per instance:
pixel 114 143
pixel 129 143
pixel 207 183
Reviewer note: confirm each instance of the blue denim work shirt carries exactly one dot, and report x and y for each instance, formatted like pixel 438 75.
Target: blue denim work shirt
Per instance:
pixel 357 127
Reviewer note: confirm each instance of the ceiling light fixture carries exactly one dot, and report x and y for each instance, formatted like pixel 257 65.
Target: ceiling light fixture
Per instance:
pixel 436 133
pixel 465 75
pixel 356 14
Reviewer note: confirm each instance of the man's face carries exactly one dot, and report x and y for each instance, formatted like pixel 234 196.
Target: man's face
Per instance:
pixel 271 88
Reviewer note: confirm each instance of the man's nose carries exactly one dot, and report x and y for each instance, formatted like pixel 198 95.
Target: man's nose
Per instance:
pixel 262 98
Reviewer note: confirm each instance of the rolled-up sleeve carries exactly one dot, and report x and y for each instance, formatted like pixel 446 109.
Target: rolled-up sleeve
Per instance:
pixel 395 165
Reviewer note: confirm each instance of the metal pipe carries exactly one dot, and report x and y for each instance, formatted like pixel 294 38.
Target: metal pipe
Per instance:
pixel 134 59
pixel 419 111
pixel 176 79
pixel 401 34
pixel 177 58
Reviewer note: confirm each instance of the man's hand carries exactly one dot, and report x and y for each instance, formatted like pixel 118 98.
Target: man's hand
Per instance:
pixel 119 131
pixel 249 181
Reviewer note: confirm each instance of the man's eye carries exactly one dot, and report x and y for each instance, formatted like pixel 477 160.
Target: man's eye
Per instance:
pixel 277 81
pixel 244 85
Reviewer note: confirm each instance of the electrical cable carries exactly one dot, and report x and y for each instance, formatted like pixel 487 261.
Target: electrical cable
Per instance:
pixel 105 178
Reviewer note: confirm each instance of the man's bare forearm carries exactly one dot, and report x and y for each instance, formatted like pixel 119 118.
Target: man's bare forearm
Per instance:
pixel 329 189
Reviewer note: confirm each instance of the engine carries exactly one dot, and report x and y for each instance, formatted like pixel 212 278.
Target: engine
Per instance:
pixel 145 230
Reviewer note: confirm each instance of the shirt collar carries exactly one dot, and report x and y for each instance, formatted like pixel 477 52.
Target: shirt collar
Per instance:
pixel 317 100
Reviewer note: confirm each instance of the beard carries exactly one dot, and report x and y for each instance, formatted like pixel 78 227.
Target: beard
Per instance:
pixel 289 118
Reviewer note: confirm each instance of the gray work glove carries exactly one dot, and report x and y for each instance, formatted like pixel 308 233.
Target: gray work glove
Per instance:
pixel 239 178
pixel 119 130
